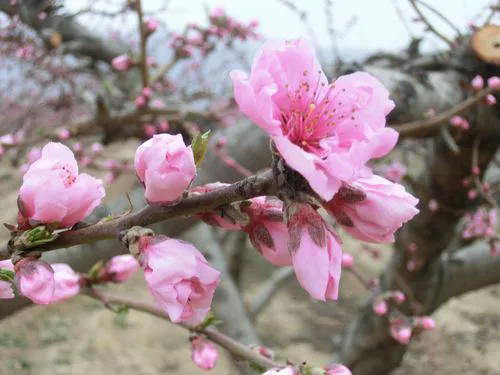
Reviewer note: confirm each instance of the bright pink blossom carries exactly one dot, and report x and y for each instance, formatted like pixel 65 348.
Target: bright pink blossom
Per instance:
pixel 316 254
pixel 120 268
pixel 35 280
pixel 267 231
pixel 6 291
pixel 203 353
pixel 179 278
pixel 165 165
pixel 325 132
pixel 54 192
pixel 66 282
pixel 376 217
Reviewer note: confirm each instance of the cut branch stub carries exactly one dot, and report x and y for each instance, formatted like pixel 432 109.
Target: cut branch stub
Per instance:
pixel 486 44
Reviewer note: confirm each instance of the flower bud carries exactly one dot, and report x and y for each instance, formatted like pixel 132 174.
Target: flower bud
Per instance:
pixel 35 280
pixel 165 165
pixel 203 353
pixel 122 63
pixel 120 268
pixel 477 82
pixel 66 282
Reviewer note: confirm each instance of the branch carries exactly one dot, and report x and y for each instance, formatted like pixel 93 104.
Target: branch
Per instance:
pixel 234 347
pixel 468 269
pixel 271 286
pixel 428 24
pixel 248 188
pixel 423 128
pixel 144 38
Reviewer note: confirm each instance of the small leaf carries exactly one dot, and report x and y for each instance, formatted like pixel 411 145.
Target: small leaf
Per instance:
pixel 38 236
pixel 199 147
pixel 209 320
pixel 7 275
pixel 94 271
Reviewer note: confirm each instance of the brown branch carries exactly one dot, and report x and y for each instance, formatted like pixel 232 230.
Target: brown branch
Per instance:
pixel 428 24
pixel 441 16
pixel 143 42
pixel 250 187
pixel 234 347
pixel 424 128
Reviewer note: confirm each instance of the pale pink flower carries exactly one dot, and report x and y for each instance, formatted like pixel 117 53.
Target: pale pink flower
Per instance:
pixel 327 133
pixel 316 254
pixel 179 278
pixel 477 82
pixel 122 63
pixel 6 291
pixel 165 165
pixel 494 83
pixel 120 268
pixel 35 280
pixel 54 192
pixel 337 369
pixel 203 353
pixel 267 231
pixel 376 217
pixel 66 282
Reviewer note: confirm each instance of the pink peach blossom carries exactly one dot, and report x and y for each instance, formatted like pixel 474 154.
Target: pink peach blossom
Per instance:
pixel 425 322
pixel 120 268
pixel 66 282
pixel 267 231
pixel 376 217
pixel 203 353
pixel 179 278
pixel 54 192
pixel 35 280
pixel 494 83
pixel 316 254
pixel 6 291
pixel 165 165
pixel 327 133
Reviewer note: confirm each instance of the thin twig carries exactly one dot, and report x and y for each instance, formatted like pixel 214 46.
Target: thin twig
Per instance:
pixel 440 15
pixel 234 347
pixel 143 41
pixel 428 24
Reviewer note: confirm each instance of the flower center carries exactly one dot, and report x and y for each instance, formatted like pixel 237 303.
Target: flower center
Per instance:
pixel 67 176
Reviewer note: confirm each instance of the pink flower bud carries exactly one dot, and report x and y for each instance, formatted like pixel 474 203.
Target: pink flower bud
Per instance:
pixel 77 147
pixel 204 353
pixel 140 101
pixel 54 192
pixel 398 297
pixel 380 307
pixel 384 199
pixel 164 126
pixel 34 154
pixel 147 92
pixel 179 278
pixel 6 291
pixel 433 205
pixel 395 171
pixel 288 370
pixel 149 130
pixel 337 369
pixel 476 170
pixel 151 25
pixel 66 282
pixel 42 16
pixel 120 268
pixel 494 83
pixel 165 165
pixel 63 134
pixel 265 352
pixel 96 148
pixel 401 333
pixel 477 82
pixel 35 280
pixel 491 100
pixel 425 322
pixel 85 161
pixel 122 63
pixel 347 260
pixel 472 194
